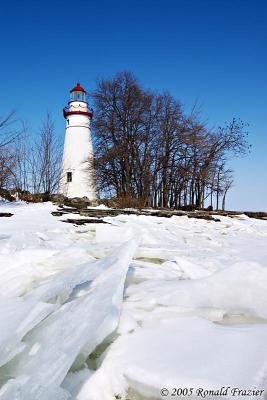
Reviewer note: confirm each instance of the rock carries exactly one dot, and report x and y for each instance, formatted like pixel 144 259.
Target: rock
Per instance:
pixel 58 198
pixel 58 213
pixel 189 207
pixel 256 214
pixel 209 208
pixel 5 194
pixel 77 202
pixel 34 197
pixel 204 216
pixel 101 213
pixel 84 221
pixel 6 214
pixel 94 203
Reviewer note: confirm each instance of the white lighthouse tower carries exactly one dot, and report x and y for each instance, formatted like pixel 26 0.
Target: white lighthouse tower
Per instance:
pixel 77 176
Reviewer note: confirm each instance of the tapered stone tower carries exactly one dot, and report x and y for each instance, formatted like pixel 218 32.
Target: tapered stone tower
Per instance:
pixel 77 175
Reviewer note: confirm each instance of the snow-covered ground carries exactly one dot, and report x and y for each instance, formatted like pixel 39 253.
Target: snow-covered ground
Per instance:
pixel 131 309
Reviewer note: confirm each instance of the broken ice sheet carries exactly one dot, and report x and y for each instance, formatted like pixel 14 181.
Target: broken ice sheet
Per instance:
pixel 74 330
pixel 184 352
pixel 183 269
pixel 17 317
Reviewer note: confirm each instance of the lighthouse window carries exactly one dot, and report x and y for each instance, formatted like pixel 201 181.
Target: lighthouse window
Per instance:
pixel 69 176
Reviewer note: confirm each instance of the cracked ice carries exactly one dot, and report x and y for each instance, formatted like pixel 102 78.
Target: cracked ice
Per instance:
pixel 121 310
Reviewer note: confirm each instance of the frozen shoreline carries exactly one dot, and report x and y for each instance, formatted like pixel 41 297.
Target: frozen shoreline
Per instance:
pixel 194 310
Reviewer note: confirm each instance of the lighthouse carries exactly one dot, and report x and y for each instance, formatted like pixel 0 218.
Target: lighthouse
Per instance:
pixel 77 175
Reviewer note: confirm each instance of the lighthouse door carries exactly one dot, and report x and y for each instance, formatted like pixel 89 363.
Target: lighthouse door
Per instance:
pixel 69 176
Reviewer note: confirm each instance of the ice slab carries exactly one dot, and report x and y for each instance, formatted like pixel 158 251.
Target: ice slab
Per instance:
pixel 186 352
pixel 70 334
pixel 237 289
pixel 17 317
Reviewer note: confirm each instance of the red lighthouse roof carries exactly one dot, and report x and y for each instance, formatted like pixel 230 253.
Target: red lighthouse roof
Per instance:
pixel 78 88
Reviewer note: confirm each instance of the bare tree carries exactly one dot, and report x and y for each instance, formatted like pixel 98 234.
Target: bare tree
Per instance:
pixel 147 149
pixel 10 133
pixel 45 159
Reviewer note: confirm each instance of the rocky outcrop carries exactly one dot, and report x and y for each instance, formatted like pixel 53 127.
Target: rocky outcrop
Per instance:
pixel 84 221
pixel 58 198
pixel 256 214
pixel 6 195
pixel 80 202
pixel 96 215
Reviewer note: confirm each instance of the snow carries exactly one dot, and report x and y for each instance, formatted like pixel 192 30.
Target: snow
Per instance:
pixel 99 207
pixel 161 357
pixel 121 310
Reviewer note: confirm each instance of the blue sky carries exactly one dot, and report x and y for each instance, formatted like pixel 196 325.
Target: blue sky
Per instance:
pixel 210 51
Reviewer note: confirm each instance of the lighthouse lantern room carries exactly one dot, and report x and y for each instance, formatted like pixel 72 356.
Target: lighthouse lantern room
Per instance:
pixel 77 175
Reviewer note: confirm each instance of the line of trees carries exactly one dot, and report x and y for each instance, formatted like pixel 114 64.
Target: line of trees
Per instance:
pixel 148 149
pixel 29 164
